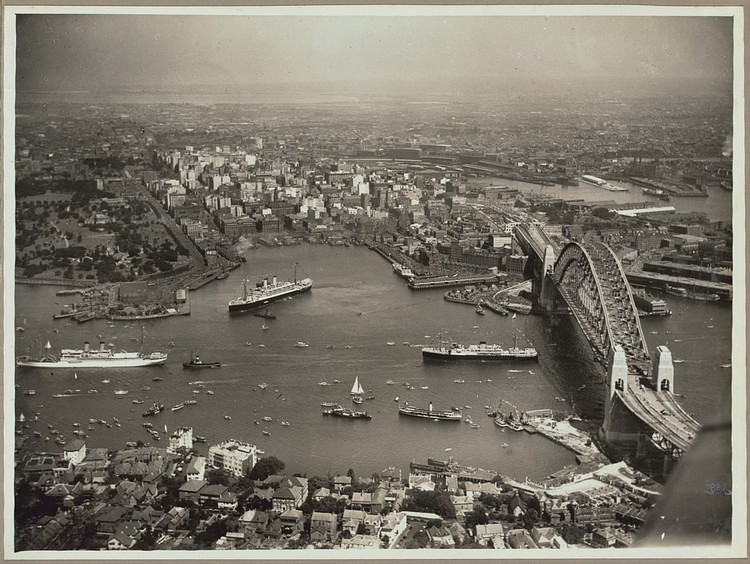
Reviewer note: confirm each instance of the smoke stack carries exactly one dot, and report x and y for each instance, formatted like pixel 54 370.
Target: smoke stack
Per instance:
pixel 86 346
pixel 101 346
pixel 430 406
pixel 274 280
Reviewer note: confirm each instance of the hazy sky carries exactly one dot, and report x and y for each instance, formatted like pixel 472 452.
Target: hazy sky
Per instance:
pixel 90 52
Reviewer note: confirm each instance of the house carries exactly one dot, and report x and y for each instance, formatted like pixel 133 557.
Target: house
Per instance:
pixel 520 538
pixel 462 504
pixel 285 498
pixel 125 537
pixel 378 499
pixel 227 500
pixel 210 493
pixel 173 520
pixel 441 537
pixel 148 516
pixel 131 494
pixel 516 506
pixel 75 451
pixel 253 521
pixel 490 534
pixel 373 522
pixel 603 537
pixel 321 493
pixel 108 521
pixel 62 491
pixel 298 482
pixel 323 526
pixel 290 522
pixel 341 482
pixel 362 500
pixel 190 490
pixel 421 482
pixel 477 490
pixel 351 520
pixel 196 468
pixel 393 525
pixel 543 536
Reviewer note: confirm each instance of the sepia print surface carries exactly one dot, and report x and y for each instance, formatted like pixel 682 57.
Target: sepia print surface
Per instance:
pixel 380 278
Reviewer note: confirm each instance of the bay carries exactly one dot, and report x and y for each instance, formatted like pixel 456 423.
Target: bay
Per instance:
pixel 357 306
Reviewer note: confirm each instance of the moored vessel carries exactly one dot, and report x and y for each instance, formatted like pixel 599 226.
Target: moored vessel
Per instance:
pixel 267 291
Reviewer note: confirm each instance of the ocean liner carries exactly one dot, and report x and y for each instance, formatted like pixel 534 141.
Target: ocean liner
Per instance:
pixel 87 357
pixel 482 351
pixel 267 291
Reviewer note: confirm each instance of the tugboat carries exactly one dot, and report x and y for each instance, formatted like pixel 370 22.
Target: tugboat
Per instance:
pixel 196 362
pixel 154 409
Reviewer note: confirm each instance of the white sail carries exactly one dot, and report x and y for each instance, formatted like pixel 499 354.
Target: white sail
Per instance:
pixel 48 345
pixel 357 388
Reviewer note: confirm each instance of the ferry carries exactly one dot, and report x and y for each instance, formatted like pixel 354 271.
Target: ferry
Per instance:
pixel 267 291
pixel 482 351
pixel 429 413
pixel 87 357
pixel 347 413
pixel 402 270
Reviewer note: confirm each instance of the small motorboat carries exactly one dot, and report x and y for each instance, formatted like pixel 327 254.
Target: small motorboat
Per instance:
pixel 301 344
pixel 196 362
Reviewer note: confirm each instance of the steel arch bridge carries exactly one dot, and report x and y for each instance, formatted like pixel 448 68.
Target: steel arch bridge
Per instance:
pixel 592 282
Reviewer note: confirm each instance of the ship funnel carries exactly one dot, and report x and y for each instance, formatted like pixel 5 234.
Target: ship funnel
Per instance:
pixel 101 346
pixel 265 282
pixel 430 406
pixel 86 346
pixel 274 281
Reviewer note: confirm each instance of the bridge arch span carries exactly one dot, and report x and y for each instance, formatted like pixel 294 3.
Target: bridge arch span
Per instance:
pixel 592 281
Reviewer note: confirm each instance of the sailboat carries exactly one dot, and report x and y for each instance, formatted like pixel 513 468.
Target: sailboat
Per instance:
pixel 357 391
pixel 514 316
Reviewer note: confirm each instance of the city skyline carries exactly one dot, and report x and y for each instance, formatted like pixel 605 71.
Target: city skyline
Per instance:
pixel 95 52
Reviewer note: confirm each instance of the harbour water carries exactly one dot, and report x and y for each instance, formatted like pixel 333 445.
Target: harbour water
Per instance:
pixel 356 308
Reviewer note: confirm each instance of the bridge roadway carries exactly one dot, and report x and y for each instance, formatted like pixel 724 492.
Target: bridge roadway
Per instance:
pixel 658 410
pixel 537 239
pixel 661 412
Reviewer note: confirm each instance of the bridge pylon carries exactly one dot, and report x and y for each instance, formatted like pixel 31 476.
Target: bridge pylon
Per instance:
pixel 618 425
pixel 662 373
pixel 547 291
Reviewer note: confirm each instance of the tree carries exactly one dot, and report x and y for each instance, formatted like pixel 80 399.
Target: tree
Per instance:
pixel 530 518
pixel 266 467
pixel 573 534
pixel 218 476
pixel 431 502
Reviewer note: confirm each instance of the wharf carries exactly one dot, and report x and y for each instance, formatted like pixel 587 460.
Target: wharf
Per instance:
pixel 656 281
pixel 563 433
pixel 448 281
